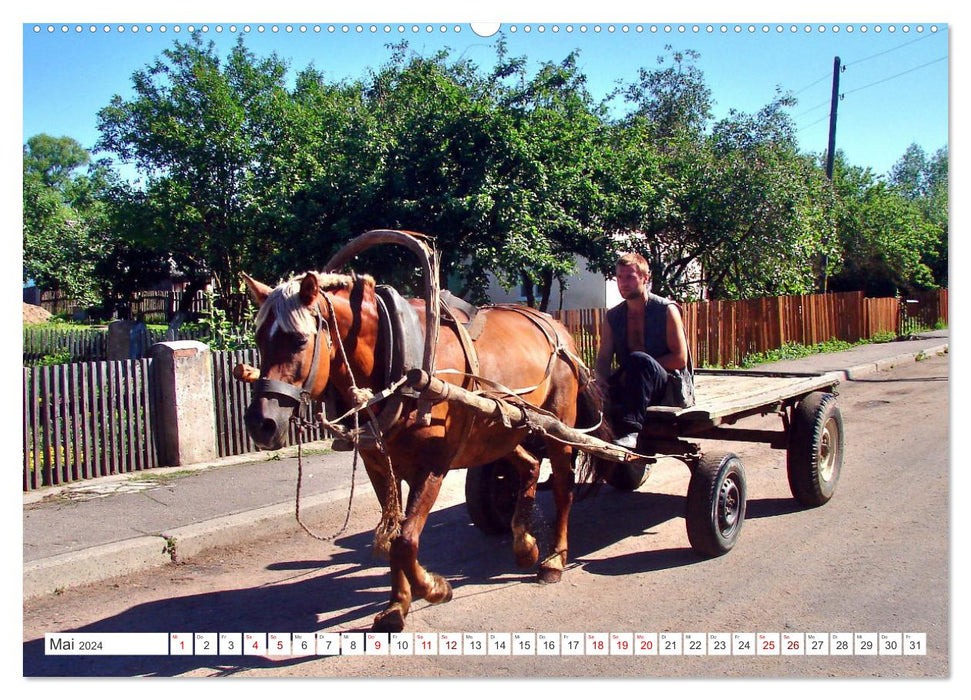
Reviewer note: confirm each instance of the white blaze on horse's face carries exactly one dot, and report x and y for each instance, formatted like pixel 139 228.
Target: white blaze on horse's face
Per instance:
pixel 287 331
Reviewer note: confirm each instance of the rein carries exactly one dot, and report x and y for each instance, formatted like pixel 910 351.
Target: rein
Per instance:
pixel 365 400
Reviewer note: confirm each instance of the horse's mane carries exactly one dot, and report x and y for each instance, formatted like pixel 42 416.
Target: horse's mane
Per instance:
pixel 290 314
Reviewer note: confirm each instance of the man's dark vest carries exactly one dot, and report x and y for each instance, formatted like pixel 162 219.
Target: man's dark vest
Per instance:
pixel 655 328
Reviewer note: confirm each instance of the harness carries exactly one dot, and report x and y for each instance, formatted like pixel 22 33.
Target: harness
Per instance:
pixel 300 395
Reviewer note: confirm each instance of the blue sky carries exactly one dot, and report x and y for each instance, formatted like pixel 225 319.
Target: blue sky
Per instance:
pixel 895 84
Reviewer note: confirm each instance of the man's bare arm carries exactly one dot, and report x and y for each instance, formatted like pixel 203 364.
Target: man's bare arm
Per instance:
pixel 605 354
pixel 678 357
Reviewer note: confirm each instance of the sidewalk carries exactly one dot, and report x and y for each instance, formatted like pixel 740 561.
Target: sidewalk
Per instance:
pixel 97 529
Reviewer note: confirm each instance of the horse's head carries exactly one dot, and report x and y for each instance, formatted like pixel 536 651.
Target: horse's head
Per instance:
pixel 293 334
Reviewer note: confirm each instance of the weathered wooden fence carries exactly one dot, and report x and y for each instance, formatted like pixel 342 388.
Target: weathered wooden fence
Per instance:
pixel 74 344
pixel 721 333
pixel 85 420
pixel 87 345
pixel 151 305
pixel 91 419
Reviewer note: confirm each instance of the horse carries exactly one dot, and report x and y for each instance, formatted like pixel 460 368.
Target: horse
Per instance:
pixel 320 330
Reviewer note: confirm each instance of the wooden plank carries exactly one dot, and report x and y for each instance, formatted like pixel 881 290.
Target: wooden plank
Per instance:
pixel 87 426
pixel 127 416
pixel 722 395
pixel 57 415
pixel 114 437
pixel 29 440
pixel 46 463
pixel 151 449
pixel 77 456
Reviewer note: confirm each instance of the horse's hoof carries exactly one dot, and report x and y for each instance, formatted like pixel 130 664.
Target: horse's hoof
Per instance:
pixel 391 620
pixel 528 558
pixel 439 592
pixel 548 575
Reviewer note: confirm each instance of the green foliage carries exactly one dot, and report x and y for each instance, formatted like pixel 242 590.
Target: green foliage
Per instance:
pixel 516 173
pixel 54 358
pixel 887 239
pixel 217 331
pixel 61 217
pixel 794 351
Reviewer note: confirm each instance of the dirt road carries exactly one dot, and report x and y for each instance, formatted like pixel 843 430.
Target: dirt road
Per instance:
pixel 875 559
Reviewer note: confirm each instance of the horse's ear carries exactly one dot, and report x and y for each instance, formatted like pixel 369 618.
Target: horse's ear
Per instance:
pixel 309 288
pixel 257 290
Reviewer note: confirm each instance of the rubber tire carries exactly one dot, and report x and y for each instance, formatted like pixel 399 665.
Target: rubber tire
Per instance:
pixel 816 447
pixel 713 524
pixel 490 496
pixel 627 477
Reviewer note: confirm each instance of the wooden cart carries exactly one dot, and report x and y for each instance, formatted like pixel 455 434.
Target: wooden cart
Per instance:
pixel 811 433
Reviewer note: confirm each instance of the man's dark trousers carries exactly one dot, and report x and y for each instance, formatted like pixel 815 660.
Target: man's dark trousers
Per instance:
pixel 635 386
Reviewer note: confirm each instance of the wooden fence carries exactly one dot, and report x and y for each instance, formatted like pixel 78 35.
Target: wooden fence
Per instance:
pixel 722 333
pixel 86 420
pixel 86 345
pixel 151 305
pixel 71 344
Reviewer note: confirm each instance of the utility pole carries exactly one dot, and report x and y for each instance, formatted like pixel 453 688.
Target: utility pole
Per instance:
pixel 834 101
pixel 831 149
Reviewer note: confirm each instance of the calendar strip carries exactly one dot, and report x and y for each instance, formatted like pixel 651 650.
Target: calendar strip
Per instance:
pixel 302 644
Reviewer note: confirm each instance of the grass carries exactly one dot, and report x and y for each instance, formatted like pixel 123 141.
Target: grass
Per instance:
pixel 795 351
pixel 160 477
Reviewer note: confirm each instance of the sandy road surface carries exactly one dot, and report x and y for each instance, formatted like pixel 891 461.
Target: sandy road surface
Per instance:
pixel 875 559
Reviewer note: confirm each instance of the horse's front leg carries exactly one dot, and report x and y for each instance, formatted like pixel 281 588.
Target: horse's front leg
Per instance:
pixel 524 543
pixel 388 492
pixel 561 460
pixel 409 580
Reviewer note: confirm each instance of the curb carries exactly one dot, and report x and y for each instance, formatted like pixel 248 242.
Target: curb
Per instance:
pixel 94 564
pixel 190 540
pixel 50 575
pixel 887 363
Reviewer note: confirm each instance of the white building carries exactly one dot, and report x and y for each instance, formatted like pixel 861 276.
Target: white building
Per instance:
pixel 585 290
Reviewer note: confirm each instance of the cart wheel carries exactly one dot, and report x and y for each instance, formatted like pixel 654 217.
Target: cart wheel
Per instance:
pixel 490 496
pixel 716 503
pixel 815 455
pixel 628 477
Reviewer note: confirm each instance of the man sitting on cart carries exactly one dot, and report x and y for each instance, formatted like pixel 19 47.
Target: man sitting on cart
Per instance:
pixel 646 334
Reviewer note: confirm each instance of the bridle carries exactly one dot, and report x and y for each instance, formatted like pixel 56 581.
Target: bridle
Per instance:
pixel 300 395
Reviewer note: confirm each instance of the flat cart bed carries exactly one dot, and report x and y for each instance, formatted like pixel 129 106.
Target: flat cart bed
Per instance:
pixel 723 397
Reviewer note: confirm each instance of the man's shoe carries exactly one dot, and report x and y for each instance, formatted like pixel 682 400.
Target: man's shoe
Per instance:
pixel 629 441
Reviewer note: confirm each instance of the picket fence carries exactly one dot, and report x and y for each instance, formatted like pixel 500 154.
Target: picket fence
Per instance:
pixel 90 419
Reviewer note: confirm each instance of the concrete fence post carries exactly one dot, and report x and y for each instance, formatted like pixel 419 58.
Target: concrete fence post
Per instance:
pixel 185 409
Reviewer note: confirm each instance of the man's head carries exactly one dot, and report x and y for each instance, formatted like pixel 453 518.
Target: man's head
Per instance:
pixel 633 276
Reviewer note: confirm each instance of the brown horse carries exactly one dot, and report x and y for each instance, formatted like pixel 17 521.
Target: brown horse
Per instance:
pixel 335 318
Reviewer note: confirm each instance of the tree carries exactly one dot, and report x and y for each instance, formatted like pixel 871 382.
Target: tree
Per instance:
pixel 923 180
pixel 54 159
pixel 883 235
pixel 210 137
pixel 61 217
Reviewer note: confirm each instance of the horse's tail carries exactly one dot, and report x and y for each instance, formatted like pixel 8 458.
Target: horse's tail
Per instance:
pixel 590 469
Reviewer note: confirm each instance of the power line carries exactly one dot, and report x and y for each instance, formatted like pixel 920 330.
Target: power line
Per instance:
pixel 815 82
pixel 811 109
pixel 881 53
pixel 864 87
pixel 822 118
pixel 911 70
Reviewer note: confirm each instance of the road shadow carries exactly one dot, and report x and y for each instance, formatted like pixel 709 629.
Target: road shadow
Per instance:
pixel 353 585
